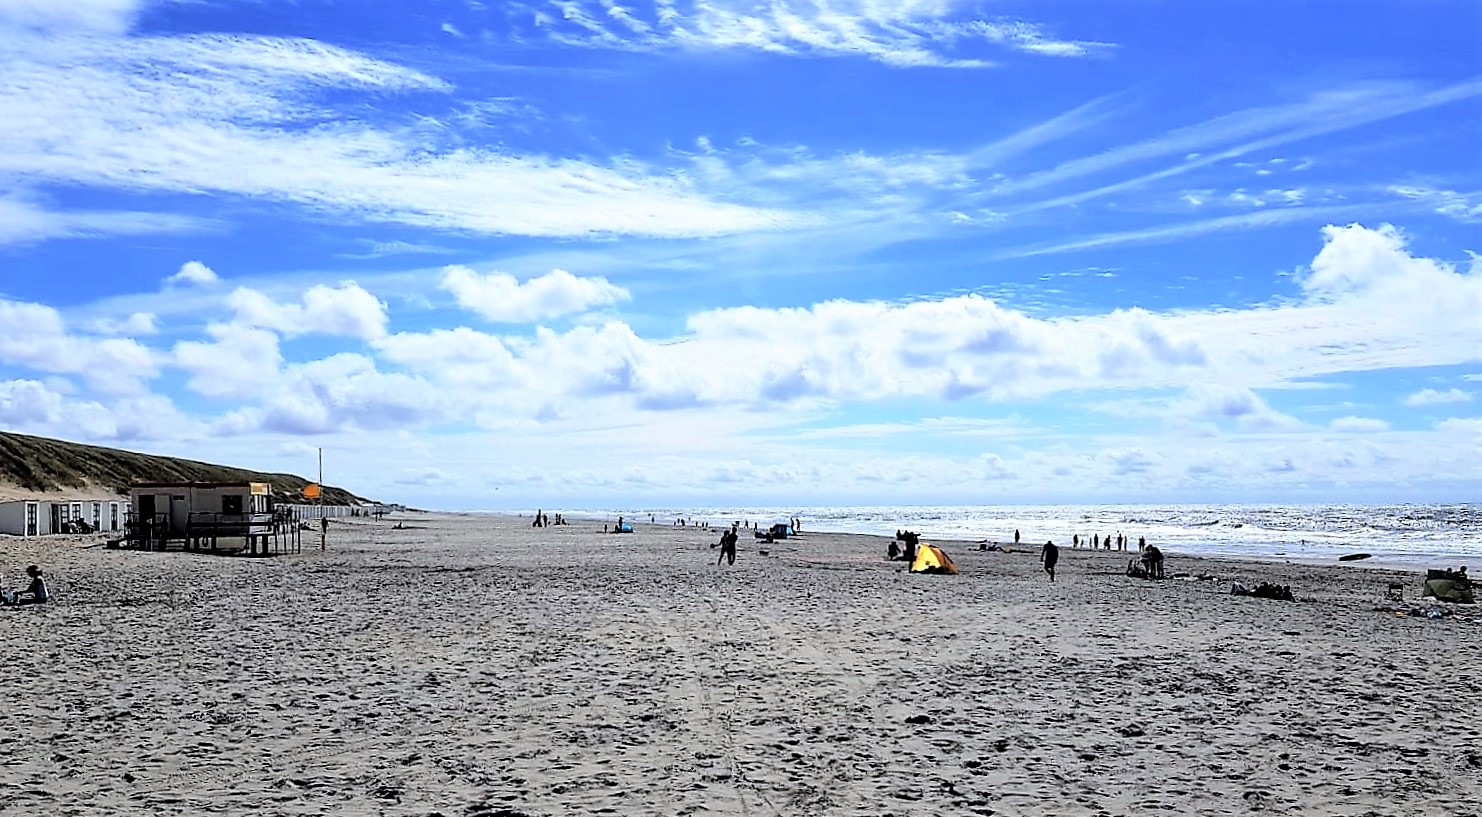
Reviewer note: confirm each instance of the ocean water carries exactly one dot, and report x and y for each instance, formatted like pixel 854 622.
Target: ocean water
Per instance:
pixel 1412 536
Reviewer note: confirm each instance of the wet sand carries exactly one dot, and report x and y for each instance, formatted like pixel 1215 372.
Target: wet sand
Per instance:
pixel 472 665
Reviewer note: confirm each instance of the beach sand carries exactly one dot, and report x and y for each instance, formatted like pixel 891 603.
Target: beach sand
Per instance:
pixel 471 666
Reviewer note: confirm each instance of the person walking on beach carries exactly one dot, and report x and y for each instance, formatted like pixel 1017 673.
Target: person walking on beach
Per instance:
pixel 1050 554
pixel 1016 537
pixel 728 547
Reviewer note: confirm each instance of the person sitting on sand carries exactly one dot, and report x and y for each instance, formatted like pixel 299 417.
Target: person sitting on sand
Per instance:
pixel 893 553
pixel 35 592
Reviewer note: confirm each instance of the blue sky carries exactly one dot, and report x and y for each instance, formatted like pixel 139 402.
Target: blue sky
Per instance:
pixel 599 254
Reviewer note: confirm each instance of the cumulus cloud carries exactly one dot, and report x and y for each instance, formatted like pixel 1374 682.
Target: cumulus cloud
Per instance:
pixel 1240 406
pixel 1431 397
pixel 345 310
pixel 238 362
pixel 36 337
pixel 1379 307
pixel 346 391
pixel 33 407
pixel 502 298
pixel 462 357
pixel 194 273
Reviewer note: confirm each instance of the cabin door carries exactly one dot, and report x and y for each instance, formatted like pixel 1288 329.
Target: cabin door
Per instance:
pixel 33 518
pixel 179 514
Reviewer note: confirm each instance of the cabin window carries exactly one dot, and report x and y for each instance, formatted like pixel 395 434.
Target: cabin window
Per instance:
pixel 231 503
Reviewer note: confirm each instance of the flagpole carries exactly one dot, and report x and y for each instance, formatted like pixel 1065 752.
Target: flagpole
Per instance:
pixel 323 526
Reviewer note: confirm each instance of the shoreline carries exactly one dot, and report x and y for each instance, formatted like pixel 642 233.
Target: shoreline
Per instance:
pixel 1416 564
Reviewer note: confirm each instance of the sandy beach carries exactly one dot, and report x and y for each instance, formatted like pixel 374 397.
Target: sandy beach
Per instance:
pixel 472 666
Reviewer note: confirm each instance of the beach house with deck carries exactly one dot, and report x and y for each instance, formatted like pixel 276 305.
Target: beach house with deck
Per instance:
pixel 224 516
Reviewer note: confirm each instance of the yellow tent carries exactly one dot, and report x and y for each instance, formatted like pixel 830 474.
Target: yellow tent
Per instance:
pixel 931 559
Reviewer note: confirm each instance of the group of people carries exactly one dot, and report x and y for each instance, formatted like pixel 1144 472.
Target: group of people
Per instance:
pixel 1148 565
pixel 541 520
pixel 35 592
pixel 903 546
pixel 728 546
pixel 1097 542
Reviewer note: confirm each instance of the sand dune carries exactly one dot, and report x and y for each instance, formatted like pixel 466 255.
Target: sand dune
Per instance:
pixel 475 666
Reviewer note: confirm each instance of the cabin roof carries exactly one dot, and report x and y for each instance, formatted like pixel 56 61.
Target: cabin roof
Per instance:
pixel 198 484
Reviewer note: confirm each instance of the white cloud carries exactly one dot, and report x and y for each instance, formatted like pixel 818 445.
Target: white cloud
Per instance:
pixel 1132 461
pixel 137 323
pixel 1371 306
pixel 1170 232
pixel 32 407
pixel 905 34
pixel 227 115
pixel 36 337
pixel 1359 425
pixel 344 310
pixel 502 298
pixel 381 249
pixel 1465 425
pixel 1213 402
pixel 345 391
pixel 1466 207
pixel 194 273
pixel 238 362
pixel 1358 260
pixel 23 222
pixel 461 357
pixel 1431 397
pixel 780 376
pixel 1235 135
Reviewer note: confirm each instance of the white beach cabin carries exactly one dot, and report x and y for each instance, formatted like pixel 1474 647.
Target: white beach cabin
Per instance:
pixel 43 517
pixel 25 517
